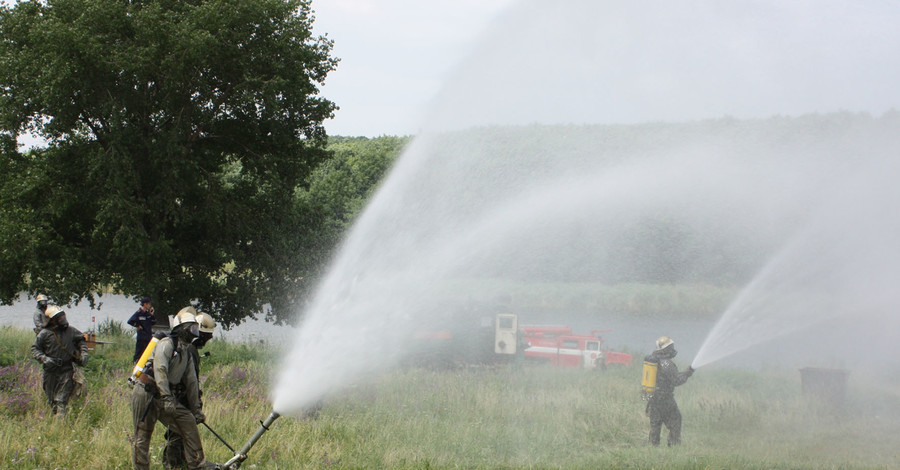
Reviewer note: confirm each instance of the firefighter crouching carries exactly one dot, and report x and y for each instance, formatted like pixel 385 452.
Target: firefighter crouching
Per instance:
pixel 661 406
pixel 172 381
pixel 58 347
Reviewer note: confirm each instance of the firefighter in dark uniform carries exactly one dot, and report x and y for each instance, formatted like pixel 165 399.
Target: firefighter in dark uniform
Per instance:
pixel 661 407
pixel 58 347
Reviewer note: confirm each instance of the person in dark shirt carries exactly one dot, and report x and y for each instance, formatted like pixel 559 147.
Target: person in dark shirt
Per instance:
pixel 662 407
pixel 143 321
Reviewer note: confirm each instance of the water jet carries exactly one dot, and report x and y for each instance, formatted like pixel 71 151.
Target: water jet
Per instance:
pixel 690 142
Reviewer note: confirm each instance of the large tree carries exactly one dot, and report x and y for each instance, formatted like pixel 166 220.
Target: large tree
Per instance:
pixel 178 133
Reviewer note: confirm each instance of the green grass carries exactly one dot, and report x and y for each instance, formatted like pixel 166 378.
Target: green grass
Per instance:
pixel 504 417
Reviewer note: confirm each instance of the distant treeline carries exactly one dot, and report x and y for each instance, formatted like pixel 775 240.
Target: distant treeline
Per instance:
pixel 714 239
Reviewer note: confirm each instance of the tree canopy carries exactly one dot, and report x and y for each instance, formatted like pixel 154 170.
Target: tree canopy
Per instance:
pixel 342 185
pixel 179 132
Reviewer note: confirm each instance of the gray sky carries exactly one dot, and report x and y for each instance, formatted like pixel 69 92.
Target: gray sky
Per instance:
pixel 394 56
pixel 409 66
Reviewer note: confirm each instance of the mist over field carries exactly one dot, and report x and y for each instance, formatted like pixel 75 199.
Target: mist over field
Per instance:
pixel 747 144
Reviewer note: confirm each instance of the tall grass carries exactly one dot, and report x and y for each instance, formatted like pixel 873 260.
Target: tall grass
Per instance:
pixel 110 327
pixel 479 417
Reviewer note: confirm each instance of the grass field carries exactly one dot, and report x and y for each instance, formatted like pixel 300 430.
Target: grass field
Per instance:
pixel 478 417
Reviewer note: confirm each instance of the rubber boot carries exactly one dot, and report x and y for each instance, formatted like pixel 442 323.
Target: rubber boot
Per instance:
pixel 61 411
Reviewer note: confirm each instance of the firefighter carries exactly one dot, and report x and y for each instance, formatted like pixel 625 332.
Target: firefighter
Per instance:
pixel 39 318
pixel 661 406
pixel 58 347
pixel 173 382
pixel 173 454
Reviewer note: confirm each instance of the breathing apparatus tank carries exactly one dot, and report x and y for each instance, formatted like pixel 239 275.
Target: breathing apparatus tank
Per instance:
pixel 141 364
pixel 648 381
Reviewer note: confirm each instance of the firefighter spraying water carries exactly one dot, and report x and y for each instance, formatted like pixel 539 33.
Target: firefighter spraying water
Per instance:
pixel 660 377
pixel 168 391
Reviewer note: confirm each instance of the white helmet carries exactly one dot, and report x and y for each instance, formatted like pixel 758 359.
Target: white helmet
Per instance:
pixel 41 298
pixel 663 342
pixel 53 311
pixel 207 324
pixel 185 315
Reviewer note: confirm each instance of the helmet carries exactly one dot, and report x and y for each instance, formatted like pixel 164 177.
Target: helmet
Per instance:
pixel 207 324
pixel 53 311
pixel 41 298
pixel 663 342
pixel 185 315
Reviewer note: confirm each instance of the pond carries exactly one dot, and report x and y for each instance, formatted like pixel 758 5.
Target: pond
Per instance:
pixel 119 308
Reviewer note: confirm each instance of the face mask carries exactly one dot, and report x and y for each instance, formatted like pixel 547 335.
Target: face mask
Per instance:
pixel 189 332
pixel 201 341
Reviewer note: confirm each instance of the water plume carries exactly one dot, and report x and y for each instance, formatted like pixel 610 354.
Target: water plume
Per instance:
pixel 612 142
pixel 843 263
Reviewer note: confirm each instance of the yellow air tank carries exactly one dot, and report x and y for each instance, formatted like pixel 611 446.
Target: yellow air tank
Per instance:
pixel 142 362
pixel 648 381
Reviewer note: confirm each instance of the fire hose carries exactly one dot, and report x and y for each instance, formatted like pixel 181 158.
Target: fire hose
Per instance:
pixel 241 455
pixel 218 436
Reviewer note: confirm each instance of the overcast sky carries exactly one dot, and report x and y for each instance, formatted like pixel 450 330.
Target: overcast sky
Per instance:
pixel 394 55
pixel 407 66
pixel 410 66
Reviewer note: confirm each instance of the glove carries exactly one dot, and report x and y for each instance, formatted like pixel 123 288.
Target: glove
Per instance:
pixel 84 359
pixel 49 361
pixel 199 417
pixel 690 371
pixel 169 405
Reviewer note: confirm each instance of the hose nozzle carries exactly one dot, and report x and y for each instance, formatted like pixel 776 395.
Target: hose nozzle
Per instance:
pixel 241 455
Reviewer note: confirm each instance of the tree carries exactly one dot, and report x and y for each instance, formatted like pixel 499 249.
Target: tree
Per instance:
pixel 343 185
pixel 178 134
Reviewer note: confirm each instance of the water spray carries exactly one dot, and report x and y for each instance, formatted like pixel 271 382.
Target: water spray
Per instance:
pixel 241 455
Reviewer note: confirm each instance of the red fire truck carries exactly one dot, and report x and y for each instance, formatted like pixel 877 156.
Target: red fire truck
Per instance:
pixel 501 339
pixel 559 346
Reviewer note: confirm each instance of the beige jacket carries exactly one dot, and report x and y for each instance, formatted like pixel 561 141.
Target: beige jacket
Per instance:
pixel 173 367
